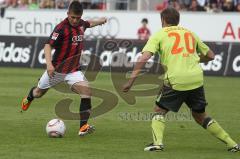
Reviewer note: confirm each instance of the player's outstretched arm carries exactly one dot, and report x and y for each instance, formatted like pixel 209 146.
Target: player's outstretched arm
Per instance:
pixel 100 21
pixel 208 57
pixel 137 68
pixel 48 57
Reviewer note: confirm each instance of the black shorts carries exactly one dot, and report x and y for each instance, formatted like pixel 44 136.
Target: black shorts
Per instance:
pixel 171 99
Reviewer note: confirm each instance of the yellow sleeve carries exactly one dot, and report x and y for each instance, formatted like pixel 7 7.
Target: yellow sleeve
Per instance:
pixel 201 46
pixel 153 44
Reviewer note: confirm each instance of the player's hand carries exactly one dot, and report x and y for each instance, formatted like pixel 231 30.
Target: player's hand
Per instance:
pixel 50 70
pixel 127 86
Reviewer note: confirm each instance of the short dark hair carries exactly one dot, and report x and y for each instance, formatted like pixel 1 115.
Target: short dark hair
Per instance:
pixel 76 7
pixel 171 16
pixel 145 20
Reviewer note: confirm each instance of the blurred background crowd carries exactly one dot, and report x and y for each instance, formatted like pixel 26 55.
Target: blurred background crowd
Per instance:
pixel 141 5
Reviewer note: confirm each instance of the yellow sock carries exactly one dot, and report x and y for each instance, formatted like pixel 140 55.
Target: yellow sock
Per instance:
pixel 216 130
pixel 158 125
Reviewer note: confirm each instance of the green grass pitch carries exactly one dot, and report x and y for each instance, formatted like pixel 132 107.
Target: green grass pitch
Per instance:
pixel 121 133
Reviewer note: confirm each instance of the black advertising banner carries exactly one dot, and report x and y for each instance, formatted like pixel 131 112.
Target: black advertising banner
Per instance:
pixel 39 60
pixel 111 54
pixel 16 51
pixel 217 66
pixel 119 55
pixel 88 56
pixel 233 61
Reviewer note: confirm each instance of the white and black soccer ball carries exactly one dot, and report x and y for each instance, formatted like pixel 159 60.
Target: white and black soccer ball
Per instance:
pixel 55 128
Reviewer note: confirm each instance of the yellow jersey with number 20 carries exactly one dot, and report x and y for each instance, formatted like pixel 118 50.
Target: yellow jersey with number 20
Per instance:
pixel 178 48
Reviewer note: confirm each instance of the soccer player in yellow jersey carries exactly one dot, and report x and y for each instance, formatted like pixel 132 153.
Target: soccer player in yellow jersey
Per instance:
pixel 180 51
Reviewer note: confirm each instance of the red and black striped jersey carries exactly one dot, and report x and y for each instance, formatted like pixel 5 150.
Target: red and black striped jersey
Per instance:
pixel 67 40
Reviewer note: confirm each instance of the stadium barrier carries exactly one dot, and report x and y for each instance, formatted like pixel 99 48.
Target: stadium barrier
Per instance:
pixel 221 27
pixel 16 51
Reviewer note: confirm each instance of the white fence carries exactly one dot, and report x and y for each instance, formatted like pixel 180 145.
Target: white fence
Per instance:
pixel 224 27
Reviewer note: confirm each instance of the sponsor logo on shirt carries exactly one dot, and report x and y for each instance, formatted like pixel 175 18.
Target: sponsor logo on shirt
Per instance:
pixel 55 36
pixel 77 39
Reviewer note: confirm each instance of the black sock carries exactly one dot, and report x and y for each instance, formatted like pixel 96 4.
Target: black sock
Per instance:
pixel 85 107
pixel 30 96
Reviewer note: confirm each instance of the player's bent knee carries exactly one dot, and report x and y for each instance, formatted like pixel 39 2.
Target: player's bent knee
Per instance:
pixel 80 84
pixel 86 93
pixel 160 110
pixel 83 89
pixel 199 117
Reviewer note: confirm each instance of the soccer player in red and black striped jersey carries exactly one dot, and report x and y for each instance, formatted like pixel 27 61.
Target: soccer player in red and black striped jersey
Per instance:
pixel 67 40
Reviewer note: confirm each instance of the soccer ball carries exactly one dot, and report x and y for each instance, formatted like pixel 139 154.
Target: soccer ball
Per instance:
pixel 55 128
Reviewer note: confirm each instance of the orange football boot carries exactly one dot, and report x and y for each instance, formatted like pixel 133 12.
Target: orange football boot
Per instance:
pixel 25 104
pixel 86 129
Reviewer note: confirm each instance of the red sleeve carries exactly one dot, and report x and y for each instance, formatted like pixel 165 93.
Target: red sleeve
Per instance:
pixel 85 24
pixel 55 37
